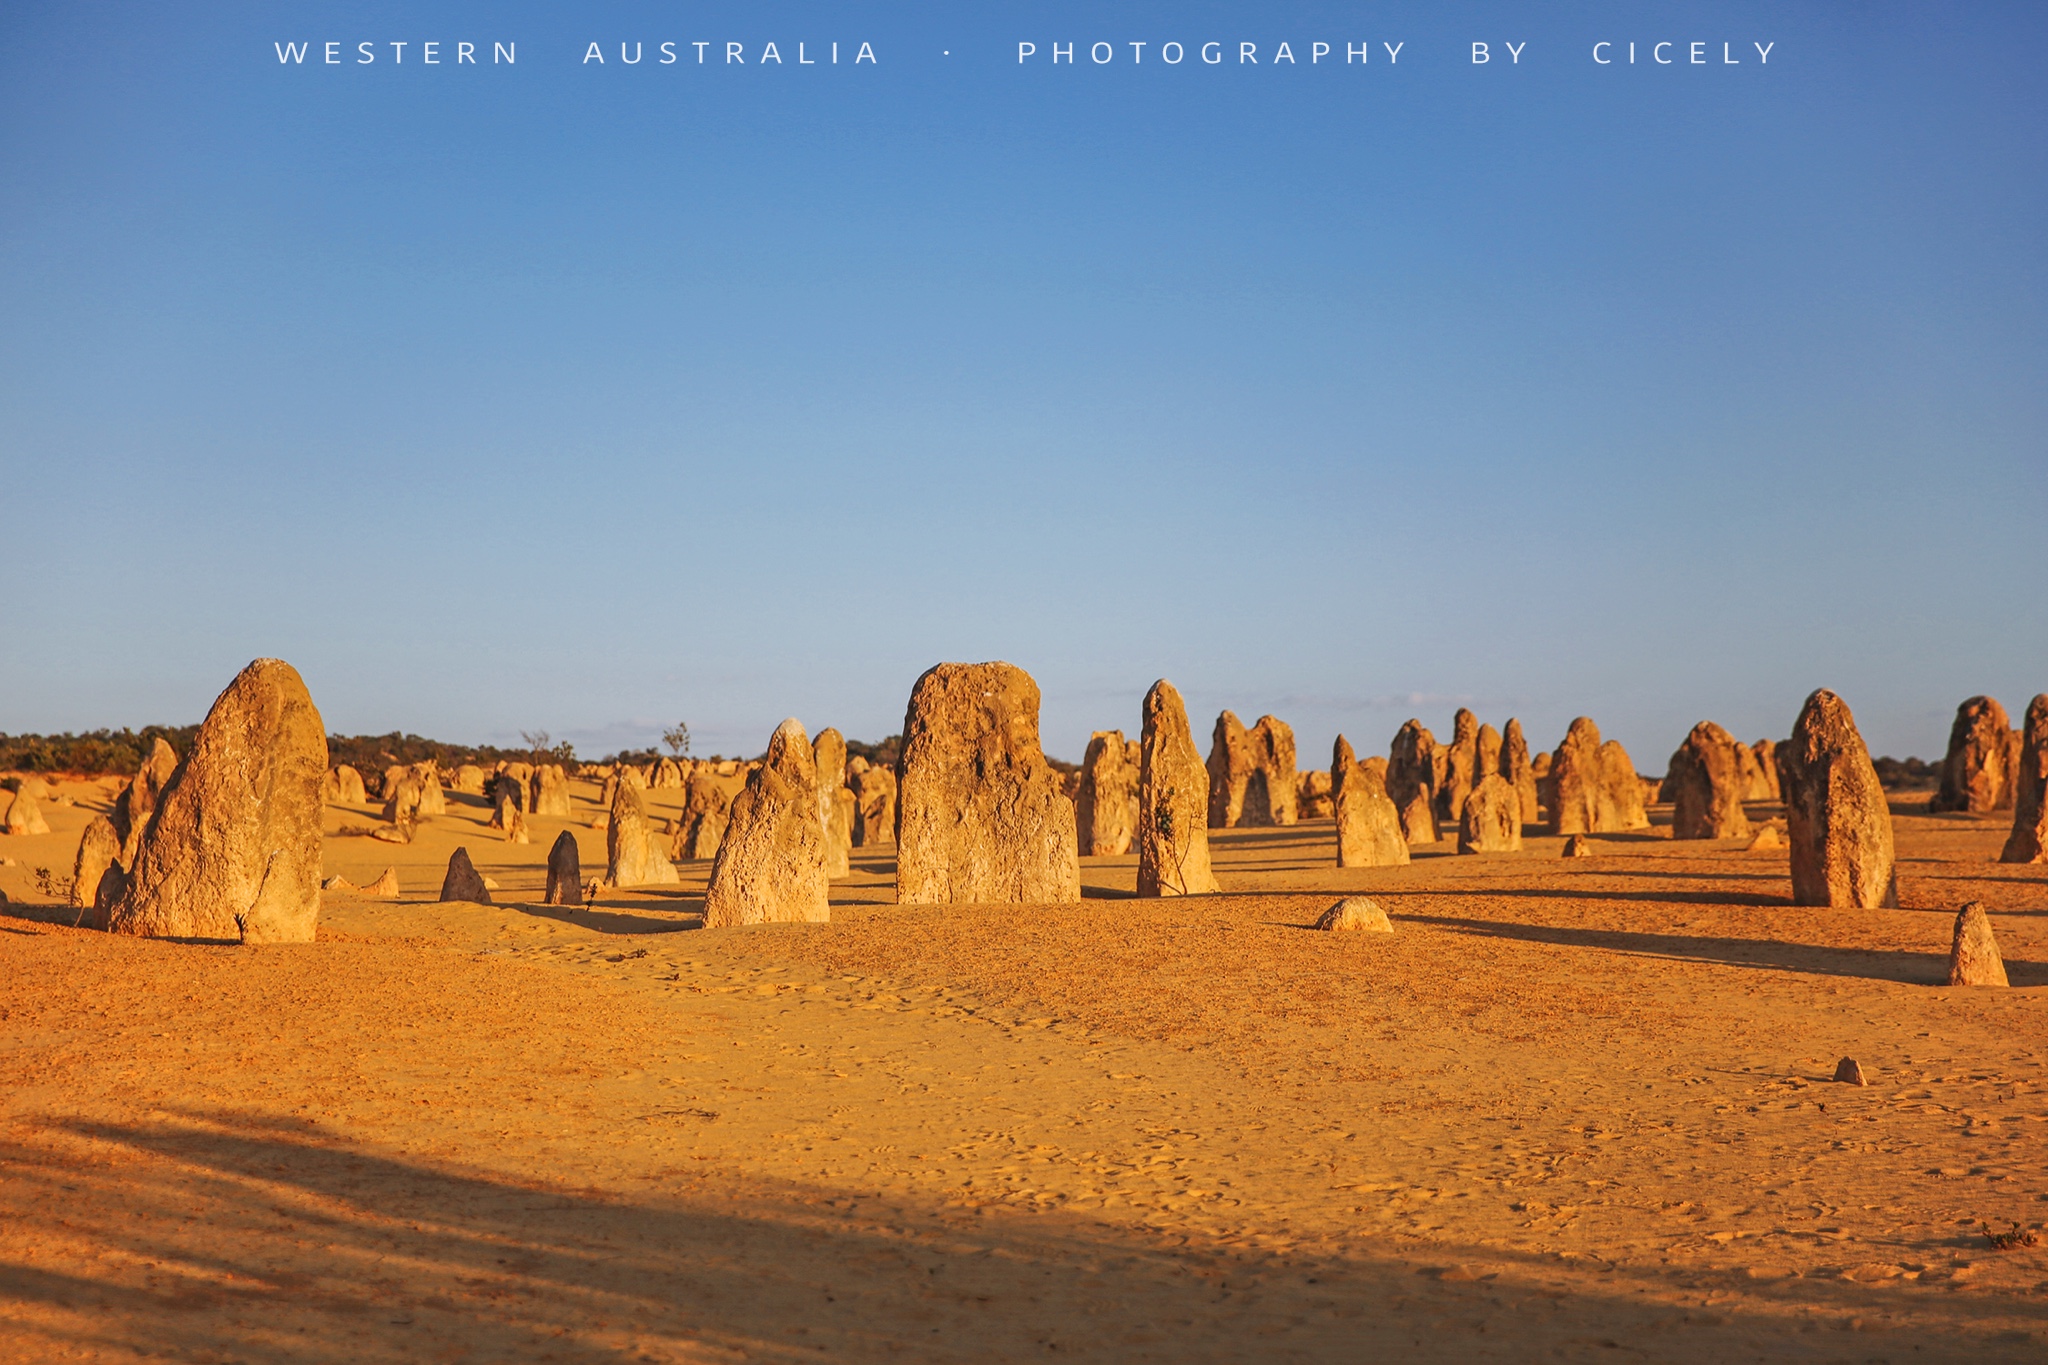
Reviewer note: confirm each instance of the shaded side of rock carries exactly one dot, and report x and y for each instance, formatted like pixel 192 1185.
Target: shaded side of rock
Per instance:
pixel 1766 753
pixel 1575 780
pixel 1706 785
pixel 1269 797
pixel 874 820
pixel 1230 769
pixel 1460 765
pixel 1975 774
pixel 701 826
pixel 1519 771
pixel 402 797
pixel 99 848
pixel 2015 745
pixel 1342 758
pixel 137 801
pixel 565 872
pixel 1620 806
pixel 1489 747
pixel 462 882
pixel 1491 820
pixel 1313 797
pixel 511 819
pixel 1103 803
pixel 1411 781
pixel 510 786
pixel 2028 842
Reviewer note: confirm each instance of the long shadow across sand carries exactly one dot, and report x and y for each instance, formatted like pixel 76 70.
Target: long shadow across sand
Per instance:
pixel 602 919
pixel 286 1242
pixel 1659 896
pixel 1716 875
pixel 1876 964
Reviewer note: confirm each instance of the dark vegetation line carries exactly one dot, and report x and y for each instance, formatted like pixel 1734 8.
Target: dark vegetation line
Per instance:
pixel 1907 774
pixel 120 752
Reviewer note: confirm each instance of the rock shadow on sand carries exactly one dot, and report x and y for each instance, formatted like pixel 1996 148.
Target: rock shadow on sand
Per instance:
pixel 1807 959
pixel 281 1240
pixel 617 917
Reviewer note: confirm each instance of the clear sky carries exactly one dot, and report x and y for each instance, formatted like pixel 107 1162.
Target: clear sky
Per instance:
pixel 591 397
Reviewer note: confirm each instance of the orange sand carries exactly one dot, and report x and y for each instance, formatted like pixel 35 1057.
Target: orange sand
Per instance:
pixel 1569 1109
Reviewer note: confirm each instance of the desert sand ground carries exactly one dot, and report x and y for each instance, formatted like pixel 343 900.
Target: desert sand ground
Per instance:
pixel 1570 1109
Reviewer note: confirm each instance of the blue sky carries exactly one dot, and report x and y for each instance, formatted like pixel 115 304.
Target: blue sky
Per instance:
pixel 591 397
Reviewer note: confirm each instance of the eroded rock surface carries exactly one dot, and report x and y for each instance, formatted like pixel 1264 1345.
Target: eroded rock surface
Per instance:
pixel 1838 824
pixel 1491 820
pixel 462 882
pixel 1976 773
pixel 232 849
pixel 982 817
pixel 1104 803
pixel 634 855
pixel 1369 832
pixel 1173 801
pixel 771 863
pixel 2028 842
pixel 1973 958
pixel 1706 784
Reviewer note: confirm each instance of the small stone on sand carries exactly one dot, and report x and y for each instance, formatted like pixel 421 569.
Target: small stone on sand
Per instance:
pixel 1356 912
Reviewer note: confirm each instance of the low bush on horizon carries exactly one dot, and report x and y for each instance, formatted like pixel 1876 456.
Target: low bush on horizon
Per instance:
pixel 371 754
pixel 118 753
pixel 92 754
pixel 1907 775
